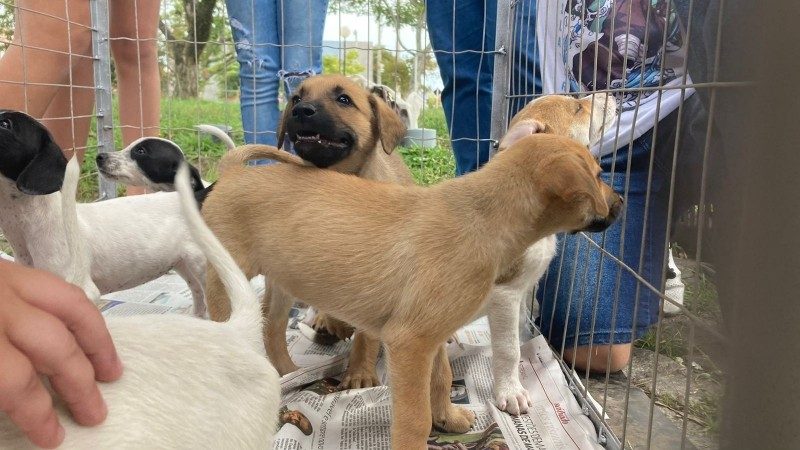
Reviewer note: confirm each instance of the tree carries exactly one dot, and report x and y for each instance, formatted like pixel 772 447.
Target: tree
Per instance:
pixel 351 66
pixel 219 58
pixel 6 23
pixel 187 29
pixel 398 14
pixel 396 72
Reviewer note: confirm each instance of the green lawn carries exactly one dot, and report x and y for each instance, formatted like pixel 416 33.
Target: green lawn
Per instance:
pixel 178 118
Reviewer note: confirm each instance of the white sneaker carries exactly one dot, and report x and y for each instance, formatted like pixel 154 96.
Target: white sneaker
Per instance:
pixel 674 287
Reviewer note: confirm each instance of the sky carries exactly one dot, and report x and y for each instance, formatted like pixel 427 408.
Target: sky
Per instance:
pixel 366 30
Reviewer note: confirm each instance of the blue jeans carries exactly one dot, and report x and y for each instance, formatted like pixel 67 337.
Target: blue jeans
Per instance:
pixel 588 297
pixel 273 44
pixel 455 26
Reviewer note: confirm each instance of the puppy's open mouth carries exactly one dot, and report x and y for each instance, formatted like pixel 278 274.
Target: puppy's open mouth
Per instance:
pixel 308 139
pixel 107 171
pixel 321 150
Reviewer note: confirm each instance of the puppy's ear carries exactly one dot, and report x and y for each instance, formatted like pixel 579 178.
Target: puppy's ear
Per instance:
pixel 386 124
pixel 287 112
pixel 197 182
pixel 566 180
pixel 45 173
pixel 520 130
pixel 381 92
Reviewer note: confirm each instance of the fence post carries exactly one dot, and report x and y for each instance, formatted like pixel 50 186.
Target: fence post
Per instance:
pixel 501 77
pixel 101 52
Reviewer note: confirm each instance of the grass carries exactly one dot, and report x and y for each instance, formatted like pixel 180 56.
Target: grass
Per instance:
pixel 671 342
pixel 700 298
pixel 178 118
pixel 703 410
pixel 431 165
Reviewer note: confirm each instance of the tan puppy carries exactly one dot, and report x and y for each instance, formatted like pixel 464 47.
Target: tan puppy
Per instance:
pixel 335 123
pixel 408 265
pixel 583 119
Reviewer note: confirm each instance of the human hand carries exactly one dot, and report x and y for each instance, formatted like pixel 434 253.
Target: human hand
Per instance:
pixel 49 327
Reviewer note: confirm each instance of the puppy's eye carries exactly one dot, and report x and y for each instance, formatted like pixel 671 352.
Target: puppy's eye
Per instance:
pixel 295 99
pixel 5 124
pixel 139 150
pixel 344 99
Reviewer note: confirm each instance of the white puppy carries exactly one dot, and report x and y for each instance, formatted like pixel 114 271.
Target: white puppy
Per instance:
pixel 152 162
pixel 188 383
pixel 130 240
pixel 584 120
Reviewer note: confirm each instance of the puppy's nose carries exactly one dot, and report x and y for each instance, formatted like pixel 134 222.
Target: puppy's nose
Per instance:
pixel 304 110
pixel 101 157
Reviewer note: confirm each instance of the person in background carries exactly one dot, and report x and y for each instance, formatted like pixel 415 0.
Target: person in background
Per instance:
pixel 276 42
pixel 49 328
pixel 591 310
pixel 50 75
pixel 462 34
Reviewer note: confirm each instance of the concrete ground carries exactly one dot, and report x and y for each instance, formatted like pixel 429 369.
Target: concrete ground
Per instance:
pixel 662 388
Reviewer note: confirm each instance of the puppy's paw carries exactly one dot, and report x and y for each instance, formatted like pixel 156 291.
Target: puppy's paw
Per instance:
pixel 455 419
pixel 330 329
pixel 359 377
pixel 510 396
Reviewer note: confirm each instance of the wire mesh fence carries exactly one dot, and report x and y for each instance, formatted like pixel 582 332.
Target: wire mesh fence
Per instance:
pixel 657 58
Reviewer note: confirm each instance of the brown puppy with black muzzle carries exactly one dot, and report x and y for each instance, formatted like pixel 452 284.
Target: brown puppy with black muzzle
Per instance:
pixel 334 123
pixel 408 265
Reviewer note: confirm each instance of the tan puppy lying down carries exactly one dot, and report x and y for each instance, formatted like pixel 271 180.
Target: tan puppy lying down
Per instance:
pixel 183 374
pixel 408 265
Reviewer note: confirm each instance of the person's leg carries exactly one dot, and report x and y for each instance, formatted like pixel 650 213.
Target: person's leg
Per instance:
pixel 255 28
pixel 526 79
pixel 69 114
pixel 300 27
pixel 465 64
pixel 134 25
pixel 37 64
pixel 591 307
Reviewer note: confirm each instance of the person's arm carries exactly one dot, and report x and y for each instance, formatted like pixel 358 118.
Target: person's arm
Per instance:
pixel 48 327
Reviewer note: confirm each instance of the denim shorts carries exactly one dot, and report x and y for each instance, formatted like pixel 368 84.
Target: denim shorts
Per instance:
pixel 587 297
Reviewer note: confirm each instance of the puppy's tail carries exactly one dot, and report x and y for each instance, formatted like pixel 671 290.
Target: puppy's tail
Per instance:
pixel 217 133
pixel 245 306
pixel 240 155
pixel 81 268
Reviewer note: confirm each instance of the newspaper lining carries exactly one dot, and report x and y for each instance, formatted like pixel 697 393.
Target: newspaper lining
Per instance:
pixel 315 415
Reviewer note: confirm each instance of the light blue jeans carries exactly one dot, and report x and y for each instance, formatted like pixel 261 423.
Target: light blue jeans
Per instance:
pixel 276 40
pixel 462 35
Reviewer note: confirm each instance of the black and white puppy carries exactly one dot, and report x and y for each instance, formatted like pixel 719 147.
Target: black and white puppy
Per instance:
pixel 32 170
pixel 129 240
pixel 152 162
